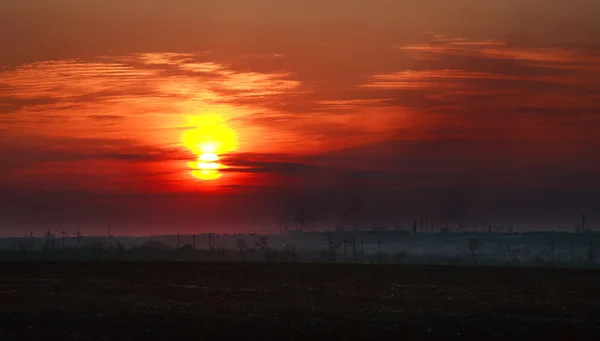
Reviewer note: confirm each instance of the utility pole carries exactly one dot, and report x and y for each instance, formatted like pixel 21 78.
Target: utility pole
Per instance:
pixel 194 240
pixel 583 222
pixel 63 233
pixel 210 241
pixel 109 231
pixel 78 234
pixel 177 240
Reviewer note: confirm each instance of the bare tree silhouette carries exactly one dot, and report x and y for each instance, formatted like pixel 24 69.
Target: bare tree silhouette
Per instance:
pixel 474 248
pixel 591 253
pixel 97 248
pixel 263 244
pixel 291 249
pixel 513 254
pixel 333 246
pixel 241 246
pixel 120 251
pixel 352 242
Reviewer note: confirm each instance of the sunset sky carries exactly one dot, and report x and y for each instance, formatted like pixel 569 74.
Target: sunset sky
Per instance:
pixel 337 110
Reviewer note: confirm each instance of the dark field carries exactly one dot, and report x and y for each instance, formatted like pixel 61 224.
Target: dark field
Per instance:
pixel 260 301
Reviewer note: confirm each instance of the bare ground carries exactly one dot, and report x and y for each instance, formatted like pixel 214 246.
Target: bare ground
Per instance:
pixel 252 301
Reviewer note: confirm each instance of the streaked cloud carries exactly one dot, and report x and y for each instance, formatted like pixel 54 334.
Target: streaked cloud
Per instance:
pixel 360 97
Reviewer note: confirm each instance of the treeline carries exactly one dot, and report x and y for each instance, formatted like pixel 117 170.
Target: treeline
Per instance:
pixel 157 251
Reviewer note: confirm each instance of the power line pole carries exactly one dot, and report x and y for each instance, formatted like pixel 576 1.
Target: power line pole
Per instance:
pixel 63 233
pixel 78 234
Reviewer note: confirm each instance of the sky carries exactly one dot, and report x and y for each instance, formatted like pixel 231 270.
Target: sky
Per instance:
pixel 236 114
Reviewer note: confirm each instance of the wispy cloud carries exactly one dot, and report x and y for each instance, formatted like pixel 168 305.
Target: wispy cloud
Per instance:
pixel 448 88
pixel 136 77
pixel 541 56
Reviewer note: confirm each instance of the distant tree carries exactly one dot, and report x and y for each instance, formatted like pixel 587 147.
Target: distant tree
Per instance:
pixel 399 256
pixel 97 248
pixel 591 253
pixel 26 244
pixel 210 237
pixel 263 244
pixel 513 254
pixel 362 248
pixel 120 251
pixel 352 243
pixel 241 246
pixel 474 248
pixel 333 246
pixel 291 250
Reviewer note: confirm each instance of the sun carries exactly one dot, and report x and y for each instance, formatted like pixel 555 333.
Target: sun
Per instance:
pixel 207 167
pixel 210 137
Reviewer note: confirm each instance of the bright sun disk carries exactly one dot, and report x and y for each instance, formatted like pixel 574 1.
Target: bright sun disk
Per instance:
pixel 210 138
